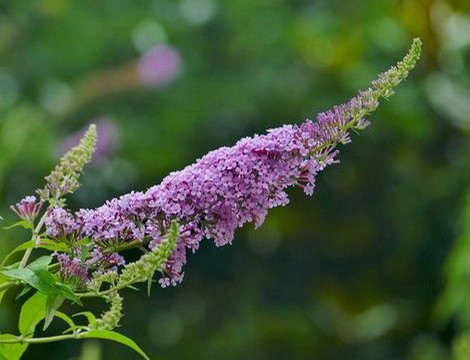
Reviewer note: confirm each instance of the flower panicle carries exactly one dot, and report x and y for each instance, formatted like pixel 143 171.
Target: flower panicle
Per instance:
pixel 64 178
pixel 225 189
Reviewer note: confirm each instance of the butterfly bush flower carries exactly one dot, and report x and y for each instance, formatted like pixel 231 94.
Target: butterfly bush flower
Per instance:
pixel 228 187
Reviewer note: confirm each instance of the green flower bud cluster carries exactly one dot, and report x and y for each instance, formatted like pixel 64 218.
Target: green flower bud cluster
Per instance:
pixel 64 178
pixel 144 268
pixel 109 320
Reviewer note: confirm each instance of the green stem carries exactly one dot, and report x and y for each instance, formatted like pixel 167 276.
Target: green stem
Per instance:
pixel 28 252
pixel 40 340
pixel 92 294
pixel 130 245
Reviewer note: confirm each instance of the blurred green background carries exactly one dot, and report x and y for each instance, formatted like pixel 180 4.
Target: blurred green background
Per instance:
pixel 359 271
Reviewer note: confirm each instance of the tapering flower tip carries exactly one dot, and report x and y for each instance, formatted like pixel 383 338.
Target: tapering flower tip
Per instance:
pixel 64 178
pixel 384 84
pixel 28 209
pixel 332 126
pixel 106 144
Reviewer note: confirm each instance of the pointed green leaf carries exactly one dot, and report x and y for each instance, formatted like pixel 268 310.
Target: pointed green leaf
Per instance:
pixel 85 250
pixel 23 292
pixel 1 295
pixel 11 351
pixel 114 336
pixel 23 223
pixel 52 304
pixel 3 278
pixel 89 315
pixel 67 319
pixel 40 263
pixel 149 286
pixel 31 278
pixel 67 292
pixel 52 245
pixel 11 266
pixel 32 312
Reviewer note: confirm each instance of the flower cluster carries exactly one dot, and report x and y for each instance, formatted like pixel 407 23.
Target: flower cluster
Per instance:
pixel 28 209
pixel 228 187
pixel 72 270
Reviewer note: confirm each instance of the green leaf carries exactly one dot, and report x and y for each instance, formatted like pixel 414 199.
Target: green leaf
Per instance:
pixel 52 304
pixel 149 286
pixel 3 279
pixel 52 245
pixel 114 336
pixel 89 315
pixel 67 292
pixel 32 312
pixel 37 276
pixel 11 351
pixel 85 250
pixel 40 263
pixel 67 319
pixel 23 292
pixel 23 223
pixel 11 266
pixel 28 276
pixel 21 247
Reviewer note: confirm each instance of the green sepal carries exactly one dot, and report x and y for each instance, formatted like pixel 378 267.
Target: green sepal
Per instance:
pixel 32 312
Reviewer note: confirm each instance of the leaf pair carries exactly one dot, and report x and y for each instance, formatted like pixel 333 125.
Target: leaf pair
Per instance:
pixel 38 277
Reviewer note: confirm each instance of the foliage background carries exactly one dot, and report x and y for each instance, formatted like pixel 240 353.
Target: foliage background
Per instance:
pixel 357 270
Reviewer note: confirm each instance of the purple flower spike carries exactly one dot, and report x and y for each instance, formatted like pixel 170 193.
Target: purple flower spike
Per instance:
pixel 228 187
